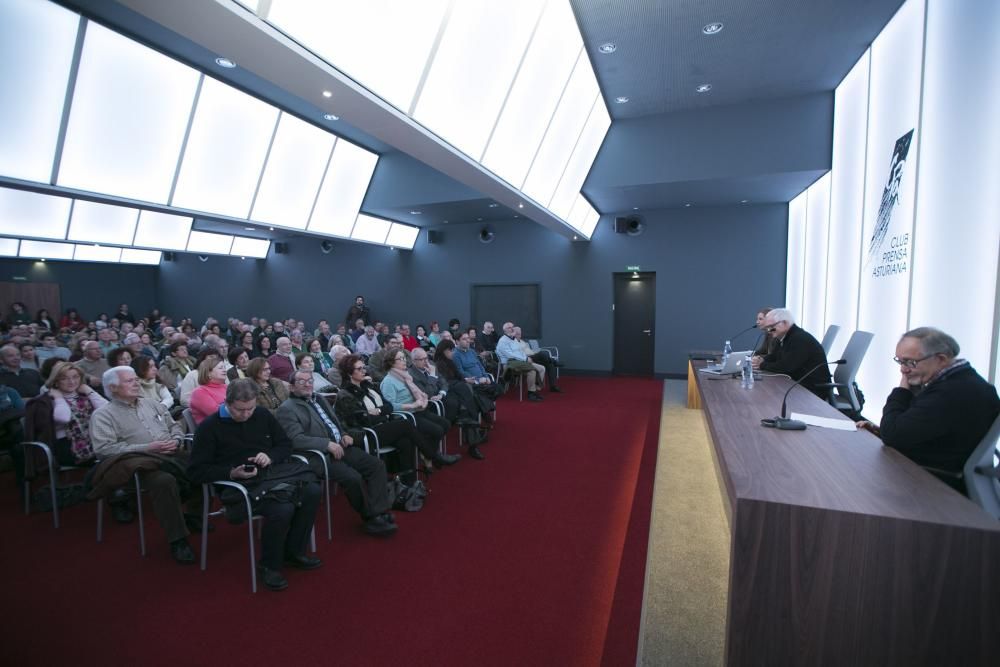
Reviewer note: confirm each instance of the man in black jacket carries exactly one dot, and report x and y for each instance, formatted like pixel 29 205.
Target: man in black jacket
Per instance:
pixel 239 436
pixel 310 423
pixel 796 353
pixel 941 409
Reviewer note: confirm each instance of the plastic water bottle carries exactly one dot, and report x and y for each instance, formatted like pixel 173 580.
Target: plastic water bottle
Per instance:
pixel 726 351
pixel 747 381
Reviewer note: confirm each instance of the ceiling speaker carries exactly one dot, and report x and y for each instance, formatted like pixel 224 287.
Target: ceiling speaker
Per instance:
pixel 621 225
pixel 434 236
pixel 486 236
pixel 326 247
pixel 169 257
pixel 635 226
pixel 280 248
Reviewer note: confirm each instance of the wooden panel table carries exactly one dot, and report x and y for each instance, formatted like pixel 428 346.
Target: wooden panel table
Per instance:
pixel 844 552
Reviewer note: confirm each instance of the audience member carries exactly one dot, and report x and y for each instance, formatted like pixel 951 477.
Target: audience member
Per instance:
pixel 435 334
pixel 71 320
pixel 119 356
pixel 399 389
pixel 25 381
pixel 283 361
pixel 244 443
pixel 190 381
pixel 238 359
pixel 145 369
pixel 93 363
pixel 273 392
pixel 765 341
pixel 73 404
pixel 18 314
pixel 324 362
pixel 176 366
pixel 410 342
pixel 211 390
pixel 541 358
pixel 516 361
pixel 29 355
pixel 358 311
pixel 368 344
pixel 310 423
pixel 44 320
pixel 123 314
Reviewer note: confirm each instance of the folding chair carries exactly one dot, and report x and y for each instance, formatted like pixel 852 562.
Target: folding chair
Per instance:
pixel 138 510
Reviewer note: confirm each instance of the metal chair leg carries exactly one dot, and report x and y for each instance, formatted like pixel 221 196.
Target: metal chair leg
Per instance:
pixel 205 506
pixel 138 505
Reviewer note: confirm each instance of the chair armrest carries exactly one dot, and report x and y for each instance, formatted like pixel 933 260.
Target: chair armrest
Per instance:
pixel 406 415
pixel 943 473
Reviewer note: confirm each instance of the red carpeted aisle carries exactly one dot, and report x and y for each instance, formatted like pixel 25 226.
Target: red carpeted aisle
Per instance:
pixel 534 556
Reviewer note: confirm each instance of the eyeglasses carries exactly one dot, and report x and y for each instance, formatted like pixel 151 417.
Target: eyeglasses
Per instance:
pixel 911 363
pixel 358 368
pixel 304 382
pixel 772 328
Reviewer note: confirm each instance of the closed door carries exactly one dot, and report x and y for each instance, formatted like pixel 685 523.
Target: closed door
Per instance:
pixel 635 312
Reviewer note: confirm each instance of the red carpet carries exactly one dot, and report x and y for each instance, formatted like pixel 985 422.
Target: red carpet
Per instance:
pixel 535 556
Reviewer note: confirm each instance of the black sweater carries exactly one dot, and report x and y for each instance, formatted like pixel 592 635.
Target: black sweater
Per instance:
pixel 795 356
pixel 221 444
pixel 943 424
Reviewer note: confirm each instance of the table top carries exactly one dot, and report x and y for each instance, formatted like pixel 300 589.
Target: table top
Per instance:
pixel 849 471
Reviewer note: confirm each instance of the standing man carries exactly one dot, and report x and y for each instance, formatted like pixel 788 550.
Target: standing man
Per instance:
pixel 358 311
pixel 941 409
pixel 796 354
pixel 310 423
pixel 241 442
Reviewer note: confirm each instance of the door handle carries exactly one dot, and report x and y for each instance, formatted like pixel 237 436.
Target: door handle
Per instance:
pixel 646 331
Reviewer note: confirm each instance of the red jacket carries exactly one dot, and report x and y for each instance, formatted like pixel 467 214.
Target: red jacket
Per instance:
pixel 410 343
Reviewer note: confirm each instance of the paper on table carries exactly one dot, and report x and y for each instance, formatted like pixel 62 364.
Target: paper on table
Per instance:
pixel 825 422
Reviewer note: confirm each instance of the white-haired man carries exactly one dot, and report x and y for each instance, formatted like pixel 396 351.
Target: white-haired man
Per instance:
pixel 796 353
pixel 513 357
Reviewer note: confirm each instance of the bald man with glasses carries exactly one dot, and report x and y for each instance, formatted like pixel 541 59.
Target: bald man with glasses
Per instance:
pixel 941 409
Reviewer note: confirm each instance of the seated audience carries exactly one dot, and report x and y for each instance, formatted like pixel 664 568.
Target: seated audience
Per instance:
pixel 360 405
pixel 283 361
pixel 145 369
pixel 796 354
pixel 176 366
pixel 147 348
pixel 306 362
pixel 462 405
pixel 29 356
pixel 25 381
pixel 367 344
pixel 516 361
pixel 263 346
pixel 73 404
pixel 131 424
pixel 93 363
pixel 240 434
pixel 71 320
pixel 942 408
pixel 190 381
pixel 324 362
pixel 435 334
pixel 18 314
pixel 337 352
pixel 239 359
pixel 376 363
pixel 399 389
pixel 539 358
pixel 119 356
pixel 410 342
pixel 50 348
pixel 245 342
pixel 211 390
pixel 422 340
pixel 488 339
pixel 310 423
pixel 273 392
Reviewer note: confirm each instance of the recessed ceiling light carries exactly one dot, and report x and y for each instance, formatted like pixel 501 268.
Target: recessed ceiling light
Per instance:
pixel 479 219
pixel 250 229
pixel 225 62
pixel 574 238
pixel 712 28
pixel 687 205
pixel 704 88
pixel 42 259
pixel 494 205
pixel 446 222
pixel 242 257
pixel 744 201
pixel 271 229
pixel 635 208
pixel 607 47
pixel 520 205
pixel 327 93
pixel 415 213
pixel 330 116
pixel 621 99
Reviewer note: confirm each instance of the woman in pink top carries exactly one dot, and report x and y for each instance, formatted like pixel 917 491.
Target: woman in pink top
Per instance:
pixel 211 390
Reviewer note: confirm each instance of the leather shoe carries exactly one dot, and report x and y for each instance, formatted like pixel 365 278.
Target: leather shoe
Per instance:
pixel 388 518
pixel 533 396
pixel 181 551
pixel 555 390
pixel 446 459
pixel 272 579
pixel 121 513
pixel 193 522
pixel 379 526
pixel 476 454
pixel 303 562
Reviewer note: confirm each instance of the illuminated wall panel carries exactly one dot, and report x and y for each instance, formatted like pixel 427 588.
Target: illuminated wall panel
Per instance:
pixel 101 223
pixel 796 254
pixel 957 229
pixel 32 214
pixel 812 316
pixel 890 182
pixel 343 190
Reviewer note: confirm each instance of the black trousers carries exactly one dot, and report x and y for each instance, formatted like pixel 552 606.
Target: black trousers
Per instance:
pixel 286 527
pixel 432 427
pixel 364 480
pixel 403 435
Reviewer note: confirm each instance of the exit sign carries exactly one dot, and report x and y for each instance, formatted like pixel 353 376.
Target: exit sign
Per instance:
pixel 633 268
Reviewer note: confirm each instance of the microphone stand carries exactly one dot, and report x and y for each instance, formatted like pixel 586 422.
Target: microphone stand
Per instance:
pixel 782 423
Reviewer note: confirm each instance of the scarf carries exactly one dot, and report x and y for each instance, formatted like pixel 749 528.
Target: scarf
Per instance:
pixel 80 409
pixel 405 378
pixel 150 389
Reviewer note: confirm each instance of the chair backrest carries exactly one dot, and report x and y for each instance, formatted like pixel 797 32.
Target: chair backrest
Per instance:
pixel 829 337
pixel 980 473
pixel 533 344
pixel 188 417
pixel 854 353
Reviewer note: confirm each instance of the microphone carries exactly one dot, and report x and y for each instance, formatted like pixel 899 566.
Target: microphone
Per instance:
pixel 732 338
pixel 783 423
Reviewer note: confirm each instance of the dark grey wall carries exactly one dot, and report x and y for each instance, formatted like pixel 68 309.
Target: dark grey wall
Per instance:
pixel 90 288
pixel 714 268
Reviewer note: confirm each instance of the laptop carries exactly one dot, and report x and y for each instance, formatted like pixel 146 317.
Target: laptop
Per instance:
pixel 732 364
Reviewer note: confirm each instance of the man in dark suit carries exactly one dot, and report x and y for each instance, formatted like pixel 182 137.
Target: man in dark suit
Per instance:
pixel 941 409
pixel 311 424
pixel 796 353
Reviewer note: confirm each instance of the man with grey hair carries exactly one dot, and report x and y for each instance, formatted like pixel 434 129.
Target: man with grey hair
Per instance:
pixel 942 407
pixel 93 364
pixel 513 357
pixel 368 343
pixel 282 361
pixel 393 344
pixel 132 424
pixel 25 381
pixel 796 354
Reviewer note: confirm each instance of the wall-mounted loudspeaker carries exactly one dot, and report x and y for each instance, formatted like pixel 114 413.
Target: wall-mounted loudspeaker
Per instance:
pixel 326 247
pixel 621 225
pixel 632 226
pixel 169 257
pixel 280 248
pixel 434 236
pixel 486 236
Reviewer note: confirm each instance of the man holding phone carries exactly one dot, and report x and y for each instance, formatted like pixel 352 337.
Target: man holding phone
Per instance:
pixel 241 442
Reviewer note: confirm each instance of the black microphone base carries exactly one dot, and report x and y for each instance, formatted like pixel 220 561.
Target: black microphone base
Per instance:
pixel 783 424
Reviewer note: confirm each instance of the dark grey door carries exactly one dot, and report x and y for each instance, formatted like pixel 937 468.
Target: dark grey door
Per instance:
pixel 635 312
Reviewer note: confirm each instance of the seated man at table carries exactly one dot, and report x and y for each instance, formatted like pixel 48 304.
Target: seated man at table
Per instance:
pixel 310 423
pixel 796 354
pixel 941 409
pixel 240 434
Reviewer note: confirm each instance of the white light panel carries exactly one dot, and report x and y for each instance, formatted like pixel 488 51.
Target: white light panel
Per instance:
pixel 130 110
pixel 547 66
pixel 563 132
pixel 46 250
pixel 589 222
pixel 25 213
pixel 813 315
pixel 402 236
pixel 383 44
pixel 36 50
pixel 293 174
pixel 214 244
pixel 957 228
pixel 162 231
pixel 247 247
pixel 134 256
pixel 225 151
pixel 102 223
pixel 459 100
pixel 796 254
pixel 343 190
pixel 576 212
pixel 8 247
pixel 847 186
pixel 581 159
pixel 97 253
pixel 373 230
